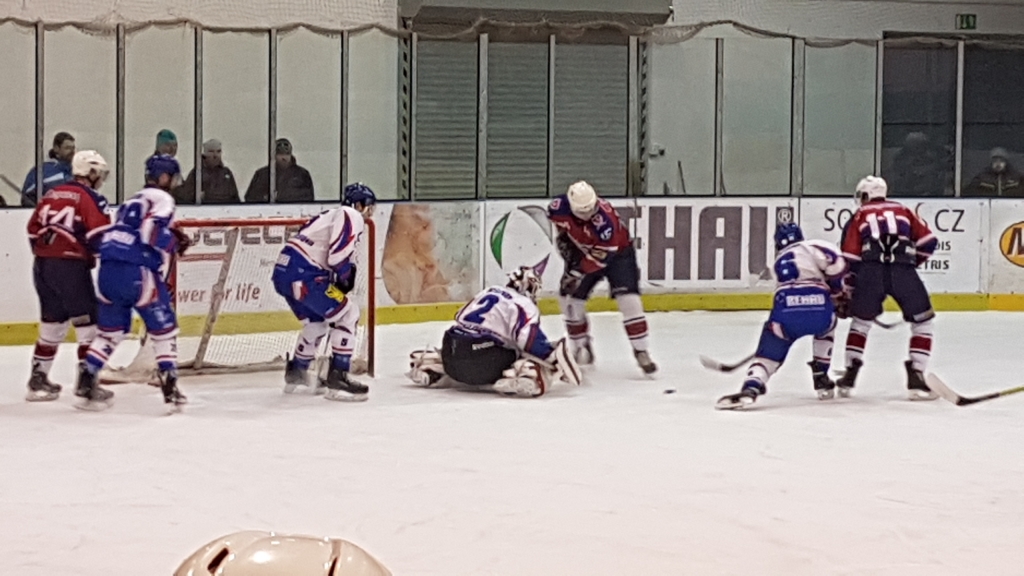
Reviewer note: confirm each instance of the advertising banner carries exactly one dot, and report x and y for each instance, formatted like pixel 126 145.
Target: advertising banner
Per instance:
pixel 1006 247
pixel 430 253
pixel 958 265
pixel 684 245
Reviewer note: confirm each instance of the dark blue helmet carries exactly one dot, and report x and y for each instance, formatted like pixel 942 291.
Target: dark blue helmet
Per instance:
pixel 159 164
pixel 786 234
pixel 358 193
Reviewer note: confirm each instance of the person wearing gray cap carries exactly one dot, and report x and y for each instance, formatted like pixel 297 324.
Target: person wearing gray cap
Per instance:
pixel 219 186
pixel 998 180
pixel 293 182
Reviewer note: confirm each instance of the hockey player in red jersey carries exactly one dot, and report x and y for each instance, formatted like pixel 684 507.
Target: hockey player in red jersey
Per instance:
pixel 885 242
pixel 596 245
pixel 63 233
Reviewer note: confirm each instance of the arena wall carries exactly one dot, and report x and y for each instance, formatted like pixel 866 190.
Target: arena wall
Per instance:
pixel 694 254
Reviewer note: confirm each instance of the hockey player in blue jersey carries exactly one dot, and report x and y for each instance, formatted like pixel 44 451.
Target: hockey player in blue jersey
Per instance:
pixel 315 271
pixel 810 275
pixel 135 253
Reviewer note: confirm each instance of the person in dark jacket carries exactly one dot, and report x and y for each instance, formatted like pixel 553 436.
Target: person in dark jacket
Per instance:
pixel 219 186
pixel 56 170
pixel 920 168
pixel 999 180
pixel 294 184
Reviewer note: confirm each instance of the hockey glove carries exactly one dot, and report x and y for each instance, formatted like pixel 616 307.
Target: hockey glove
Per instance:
pixel 841 302
pixel 571 280
pixel 182 241
pixel 345 277
pixel 568 250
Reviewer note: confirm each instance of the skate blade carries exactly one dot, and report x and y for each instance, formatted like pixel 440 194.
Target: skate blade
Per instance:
pixel 93 405
pixel 41 396
pixel 921 396
pixel 826 394
pixel 844 392
pixel 341 396
pixel 730 404
pixel 175 408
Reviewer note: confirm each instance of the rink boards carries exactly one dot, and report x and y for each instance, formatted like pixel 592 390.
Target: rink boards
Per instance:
pixel 693 254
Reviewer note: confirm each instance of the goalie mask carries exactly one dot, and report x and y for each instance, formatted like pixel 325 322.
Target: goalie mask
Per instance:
pixel 525 281
pixel 254 553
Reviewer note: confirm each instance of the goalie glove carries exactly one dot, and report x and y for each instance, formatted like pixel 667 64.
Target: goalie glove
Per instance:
pixel 182 241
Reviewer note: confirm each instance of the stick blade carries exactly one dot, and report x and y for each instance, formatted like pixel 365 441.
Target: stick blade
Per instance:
pixel 711 363
pixel 944 391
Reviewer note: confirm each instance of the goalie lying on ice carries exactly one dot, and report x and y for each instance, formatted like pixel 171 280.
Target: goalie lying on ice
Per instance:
pixel 497 343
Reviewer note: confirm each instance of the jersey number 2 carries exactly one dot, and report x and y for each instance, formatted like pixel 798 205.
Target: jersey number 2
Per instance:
pixel 476 316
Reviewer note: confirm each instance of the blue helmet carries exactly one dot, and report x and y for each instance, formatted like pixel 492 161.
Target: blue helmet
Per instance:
pixel 358 193
pixel 159 164
pixel 786 234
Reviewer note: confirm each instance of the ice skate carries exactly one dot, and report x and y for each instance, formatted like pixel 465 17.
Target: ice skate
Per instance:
pixel 342 388
pixel 845 383
pixel 91 396
pixel 293 376
pixel 173 398
pixel 584 354
pixel 40 389
pixel 917 389
pixel 738 401
pixel 824 387
pixel 645 362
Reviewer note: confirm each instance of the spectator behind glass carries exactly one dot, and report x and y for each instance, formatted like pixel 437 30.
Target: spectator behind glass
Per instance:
pixel 920 168
pixel 56 170
pixel 166 143
pixel 999 179
pixel 294 184
pixel 219 186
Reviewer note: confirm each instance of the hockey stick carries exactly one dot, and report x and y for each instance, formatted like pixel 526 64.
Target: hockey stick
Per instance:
pixel 712 364
pixel 940 388
pixel 887 325
pixel 10 183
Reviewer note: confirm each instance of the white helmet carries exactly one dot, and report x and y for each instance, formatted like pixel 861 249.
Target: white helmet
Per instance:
pixel 871 188
pixel 90 164
pixel 582 200
pixel 254 553
pixel 525 281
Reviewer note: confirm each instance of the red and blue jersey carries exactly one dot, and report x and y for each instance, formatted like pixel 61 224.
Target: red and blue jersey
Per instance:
pixel 888 232
pixel 599 238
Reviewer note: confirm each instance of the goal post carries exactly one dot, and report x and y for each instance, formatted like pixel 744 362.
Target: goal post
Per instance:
pixel 229 316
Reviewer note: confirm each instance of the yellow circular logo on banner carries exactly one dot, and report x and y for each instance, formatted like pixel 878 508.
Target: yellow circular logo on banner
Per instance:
pixel 1011 244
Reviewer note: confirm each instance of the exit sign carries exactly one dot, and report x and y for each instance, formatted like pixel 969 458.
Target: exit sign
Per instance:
pixel 966 21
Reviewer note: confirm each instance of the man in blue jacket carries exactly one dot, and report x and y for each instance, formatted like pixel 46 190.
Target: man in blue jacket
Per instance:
pixel 56 170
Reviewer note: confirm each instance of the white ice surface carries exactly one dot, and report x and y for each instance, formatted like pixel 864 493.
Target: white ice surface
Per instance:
pixel 615 477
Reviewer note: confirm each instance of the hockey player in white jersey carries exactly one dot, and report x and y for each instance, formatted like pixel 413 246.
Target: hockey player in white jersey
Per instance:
pixel 810 275
pixel 315 271
pixel 497 343
pixel 135 252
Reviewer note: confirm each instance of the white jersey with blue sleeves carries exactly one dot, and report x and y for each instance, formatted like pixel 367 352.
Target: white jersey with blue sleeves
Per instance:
pixel 141 233
pixel 329 239
pixel 809 263
pixel 507 316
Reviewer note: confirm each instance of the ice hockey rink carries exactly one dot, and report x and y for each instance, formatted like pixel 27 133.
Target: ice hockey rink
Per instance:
pixel 615 477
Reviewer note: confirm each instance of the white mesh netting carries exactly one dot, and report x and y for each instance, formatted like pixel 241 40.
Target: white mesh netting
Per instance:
pixel 227 14
pixel 231 318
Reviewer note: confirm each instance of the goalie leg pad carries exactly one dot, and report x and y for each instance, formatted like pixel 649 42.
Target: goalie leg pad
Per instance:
pixel 524 380
pixel 566 368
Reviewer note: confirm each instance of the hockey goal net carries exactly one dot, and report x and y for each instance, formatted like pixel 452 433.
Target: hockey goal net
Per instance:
pixel 230 317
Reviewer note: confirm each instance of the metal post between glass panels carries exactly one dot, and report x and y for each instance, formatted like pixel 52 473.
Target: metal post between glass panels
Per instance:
pixel 796 176
pixel 272 115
